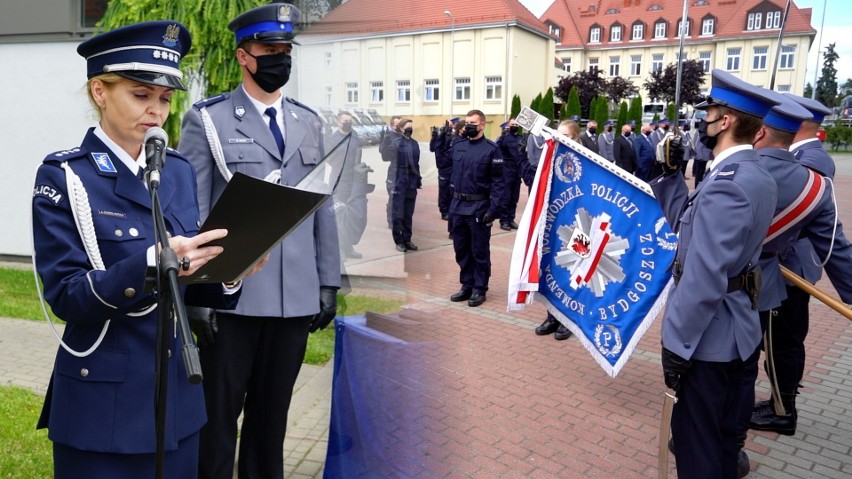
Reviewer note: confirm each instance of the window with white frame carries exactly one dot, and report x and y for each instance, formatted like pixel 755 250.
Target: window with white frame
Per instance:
pixel 657 62
pixel 760 54
pixel 566 64
pixel 683 28
pixel 635 65
pixel 788 57
pixel 433 90
pixel 784 88
pixel 682 56
pixel 593 65
pixel 707 26
pixel 704 58
pixel 494 88
pixel 733 63
pixel 403 91
pixel 614 65
pixel 638 31
pixel 327 60
pixel 377 92
pixel 595 35
pixel 773 20
pixel 615 33
pixel 352 92
pixel 660 30
pixel 462 89
pixel 754 21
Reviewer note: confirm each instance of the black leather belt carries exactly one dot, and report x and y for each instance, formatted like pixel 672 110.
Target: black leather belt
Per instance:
pixel 470 197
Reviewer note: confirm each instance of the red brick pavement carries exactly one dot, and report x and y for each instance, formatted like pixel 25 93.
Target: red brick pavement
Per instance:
pixel 510 404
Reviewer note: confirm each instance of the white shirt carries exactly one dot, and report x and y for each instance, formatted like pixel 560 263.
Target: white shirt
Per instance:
pixel 728 152
pixel 799 144
pixel 261 108
pixel 133 165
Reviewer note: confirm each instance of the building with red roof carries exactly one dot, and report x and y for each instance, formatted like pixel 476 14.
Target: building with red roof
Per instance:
pixel 426 60
pixel 631 38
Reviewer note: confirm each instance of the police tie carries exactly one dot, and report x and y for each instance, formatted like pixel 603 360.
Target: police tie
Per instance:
pixel 276 132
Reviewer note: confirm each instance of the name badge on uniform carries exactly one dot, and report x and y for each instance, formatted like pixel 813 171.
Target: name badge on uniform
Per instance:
pixel 240 141
pixel 104 162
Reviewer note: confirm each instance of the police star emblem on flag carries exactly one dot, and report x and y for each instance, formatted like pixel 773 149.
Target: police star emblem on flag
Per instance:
pixel 591 252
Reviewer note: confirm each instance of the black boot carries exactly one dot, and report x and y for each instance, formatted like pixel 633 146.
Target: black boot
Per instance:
pixel 768 420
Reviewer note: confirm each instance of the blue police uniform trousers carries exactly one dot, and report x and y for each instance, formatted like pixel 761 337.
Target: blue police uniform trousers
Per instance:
pixel 445 193
pixel 512 178
pixel 472 244
pixel 403 200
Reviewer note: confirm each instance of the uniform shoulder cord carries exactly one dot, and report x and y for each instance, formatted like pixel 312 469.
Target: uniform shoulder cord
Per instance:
pixel 219 156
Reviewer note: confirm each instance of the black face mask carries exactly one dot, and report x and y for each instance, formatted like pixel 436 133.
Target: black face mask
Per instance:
pixel 273 71
pixel 408 132
pixel 513 129
pixel 626 134
pixel 608 129
pixel 471 131
pixel 346 126
pixel 703 137
pixel 592 131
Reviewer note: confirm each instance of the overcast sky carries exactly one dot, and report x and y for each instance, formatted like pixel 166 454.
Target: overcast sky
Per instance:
pixel 838 17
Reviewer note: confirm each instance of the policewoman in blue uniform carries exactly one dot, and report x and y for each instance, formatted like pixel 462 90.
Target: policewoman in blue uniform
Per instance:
pixel 711 326
pixel 479 195
pixel 252 356
pixel 93 243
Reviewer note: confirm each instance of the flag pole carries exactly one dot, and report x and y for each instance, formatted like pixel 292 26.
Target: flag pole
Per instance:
pixel 778 46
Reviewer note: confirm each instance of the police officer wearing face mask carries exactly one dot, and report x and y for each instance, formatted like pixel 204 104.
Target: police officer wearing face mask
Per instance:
pixel 509 143
pixel 479 194
pixel 253 356
pixel 407 181
pixel 350 195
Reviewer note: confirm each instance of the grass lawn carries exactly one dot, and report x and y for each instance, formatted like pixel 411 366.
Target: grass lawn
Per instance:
pixel 27 454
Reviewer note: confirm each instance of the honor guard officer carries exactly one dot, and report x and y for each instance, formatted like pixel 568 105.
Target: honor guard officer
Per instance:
pixel 711 323
pixel 510 148
pixel 479 194
pixel 93 244
pixel 251 364
pixel 816 223
pixel 819 242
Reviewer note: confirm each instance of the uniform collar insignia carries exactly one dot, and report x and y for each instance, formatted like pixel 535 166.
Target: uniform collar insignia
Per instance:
pixel 239 111
pixel 293 114
pixel 104 162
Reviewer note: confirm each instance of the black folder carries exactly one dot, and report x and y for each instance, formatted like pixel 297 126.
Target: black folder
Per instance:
pixel 258 215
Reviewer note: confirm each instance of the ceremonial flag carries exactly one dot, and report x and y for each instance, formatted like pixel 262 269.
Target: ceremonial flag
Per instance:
pixel 604 251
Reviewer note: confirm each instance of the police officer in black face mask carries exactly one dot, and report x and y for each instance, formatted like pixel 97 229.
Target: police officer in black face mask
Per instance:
pixel 479 194
pixel 406 150
pixel 509 143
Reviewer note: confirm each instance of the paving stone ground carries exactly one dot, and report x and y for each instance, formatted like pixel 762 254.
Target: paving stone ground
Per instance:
pixel 506 403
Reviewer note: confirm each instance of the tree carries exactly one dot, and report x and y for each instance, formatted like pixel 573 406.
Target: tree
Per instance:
pixel 589 85
pixel 826 87
pixel 573 103
pixel 635 111
pixel 845 89
pixel 662 84
pixel 671 113
pixel 516 107
pixel 547 104
pixel 618 88
pixel 602 114
pixel 809 90
pixel 622 116
pixel 536 104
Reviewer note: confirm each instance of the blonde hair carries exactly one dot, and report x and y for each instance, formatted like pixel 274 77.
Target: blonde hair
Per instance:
pixel 572 128
pixel 108 79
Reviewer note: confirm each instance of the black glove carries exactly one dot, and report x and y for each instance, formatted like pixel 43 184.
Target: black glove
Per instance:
pixel 672 155
pixel 487 218
pixel 328 309
pixel 674 367
pixel 202 321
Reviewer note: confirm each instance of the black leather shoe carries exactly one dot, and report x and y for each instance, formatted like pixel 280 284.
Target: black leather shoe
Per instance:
pixel 445 217
pixel 505 227
pixel 476 299
pixel 562 333
pixel 462 295
pixel 513 225
pixel 761 405
pixel 549 326
pixel 410 246
pixel 767 420
pixel 401 248
pixel 743 465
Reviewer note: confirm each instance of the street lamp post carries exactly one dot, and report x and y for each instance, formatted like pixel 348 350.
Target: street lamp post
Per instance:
pixel 452 59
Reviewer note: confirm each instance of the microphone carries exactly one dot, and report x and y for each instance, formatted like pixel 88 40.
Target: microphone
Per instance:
pixel 155 141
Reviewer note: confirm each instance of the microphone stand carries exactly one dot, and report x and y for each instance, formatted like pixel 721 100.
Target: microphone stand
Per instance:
pixel 169 306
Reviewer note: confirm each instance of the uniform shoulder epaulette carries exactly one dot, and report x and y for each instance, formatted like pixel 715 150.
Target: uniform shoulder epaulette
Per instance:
pixel 728 171
pixel 211 101
pixel 66 155
pixel 172 152
pixel 492 143
pixel 301 105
